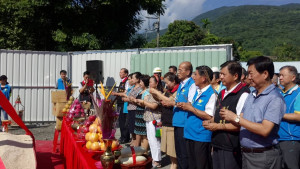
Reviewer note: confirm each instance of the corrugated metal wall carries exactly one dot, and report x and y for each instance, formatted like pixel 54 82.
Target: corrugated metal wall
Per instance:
pixel 113 61
pixel 213 55
pixel 33 75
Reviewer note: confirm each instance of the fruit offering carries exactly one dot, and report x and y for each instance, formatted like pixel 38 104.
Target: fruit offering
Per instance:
pixel 94 139
pixel 93 136
pixel 84 127
pixel 75 111
pixel 67 107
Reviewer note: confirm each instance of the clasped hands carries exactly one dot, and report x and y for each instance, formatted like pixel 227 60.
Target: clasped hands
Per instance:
pixel 185 106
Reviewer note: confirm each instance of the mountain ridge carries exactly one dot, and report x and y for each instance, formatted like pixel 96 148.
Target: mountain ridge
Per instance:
pixel 254 26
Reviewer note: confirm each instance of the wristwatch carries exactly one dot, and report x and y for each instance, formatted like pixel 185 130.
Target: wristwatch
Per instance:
pixel 237 119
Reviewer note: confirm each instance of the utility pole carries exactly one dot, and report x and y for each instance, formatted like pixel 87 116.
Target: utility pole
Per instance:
pixel 156 26
pixel 157 31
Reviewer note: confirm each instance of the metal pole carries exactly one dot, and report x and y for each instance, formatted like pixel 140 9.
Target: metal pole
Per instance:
pixel 157 31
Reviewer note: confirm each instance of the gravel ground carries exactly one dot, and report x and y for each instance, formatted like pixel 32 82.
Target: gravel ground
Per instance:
pixel 45 131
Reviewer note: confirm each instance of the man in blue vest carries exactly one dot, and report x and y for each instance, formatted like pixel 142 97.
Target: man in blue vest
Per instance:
pixel 202 108
pixel 185 93
pixel 289 132
pixel 6 90
pixel 63 81
pixel 260 118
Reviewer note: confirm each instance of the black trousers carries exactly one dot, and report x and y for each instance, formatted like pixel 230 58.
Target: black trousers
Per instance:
pixel 122 123
pixel 199 154
pixel 180 148
pixel 223 159
pixel 291 154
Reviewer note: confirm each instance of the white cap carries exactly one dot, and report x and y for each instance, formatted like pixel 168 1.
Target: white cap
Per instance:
pixel 215 69
pixel 157 70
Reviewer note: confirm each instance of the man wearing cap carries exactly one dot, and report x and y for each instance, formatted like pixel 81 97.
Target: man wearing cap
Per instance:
pixel 185 93
pixel 260 118
pixel 6 90
pixel 289 132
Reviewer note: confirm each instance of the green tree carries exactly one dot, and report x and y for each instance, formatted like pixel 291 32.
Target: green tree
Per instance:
pixel 287 52
pixel 187 33
pixel 71 24
pixel 180 33
pixel 205 24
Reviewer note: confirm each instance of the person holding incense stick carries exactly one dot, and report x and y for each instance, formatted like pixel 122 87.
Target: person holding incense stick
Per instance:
pixel 152 116
pixel 185 93
pixel 167 136
pixel 140 124
pixel 225 137
pixel 202 108
pixel 260 118
pixel 134 92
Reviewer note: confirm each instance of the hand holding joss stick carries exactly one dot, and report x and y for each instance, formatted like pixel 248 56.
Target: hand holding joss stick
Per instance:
pixel 227 114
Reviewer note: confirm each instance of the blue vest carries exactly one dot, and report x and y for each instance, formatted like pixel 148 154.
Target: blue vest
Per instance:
pixel 290 130
pixel 193 128
pixel 182 96
pixel 60 84
pixel 125 110
pixel 6 91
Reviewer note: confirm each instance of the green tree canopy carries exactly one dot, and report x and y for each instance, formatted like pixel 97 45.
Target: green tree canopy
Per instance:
pixel 187 33
pixel 180 33
pixel 67 25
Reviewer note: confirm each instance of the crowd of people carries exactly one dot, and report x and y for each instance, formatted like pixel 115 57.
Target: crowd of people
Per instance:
pixel 210 118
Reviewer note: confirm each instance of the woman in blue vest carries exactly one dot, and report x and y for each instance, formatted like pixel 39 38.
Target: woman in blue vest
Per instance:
pixel 6 90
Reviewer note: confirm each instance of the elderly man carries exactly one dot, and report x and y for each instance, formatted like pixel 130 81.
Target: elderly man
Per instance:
pixel 260 118
pixel 125 136
pixel 185 93
pixel 289 132
pixel 202 108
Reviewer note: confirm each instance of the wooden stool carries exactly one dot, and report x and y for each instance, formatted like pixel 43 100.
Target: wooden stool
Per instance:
pixel 5 123
pixel 56 135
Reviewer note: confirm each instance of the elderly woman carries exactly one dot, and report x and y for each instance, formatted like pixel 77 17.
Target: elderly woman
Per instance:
pixel 167 138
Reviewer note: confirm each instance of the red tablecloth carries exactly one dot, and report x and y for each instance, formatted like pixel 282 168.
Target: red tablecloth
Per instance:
pixel 75 156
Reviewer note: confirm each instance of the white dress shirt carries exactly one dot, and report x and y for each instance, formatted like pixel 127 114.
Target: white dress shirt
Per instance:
pixel 241 101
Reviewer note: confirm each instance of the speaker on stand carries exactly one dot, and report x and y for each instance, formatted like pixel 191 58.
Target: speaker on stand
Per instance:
pixel 95 67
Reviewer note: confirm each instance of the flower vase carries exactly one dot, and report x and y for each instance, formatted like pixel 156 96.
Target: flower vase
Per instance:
pixel 108 159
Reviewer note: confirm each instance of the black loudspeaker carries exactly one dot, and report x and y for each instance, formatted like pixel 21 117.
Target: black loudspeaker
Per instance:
pixel 95 67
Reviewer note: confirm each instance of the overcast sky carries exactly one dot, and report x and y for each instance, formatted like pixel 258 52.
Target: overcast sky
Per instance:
pixel 188 9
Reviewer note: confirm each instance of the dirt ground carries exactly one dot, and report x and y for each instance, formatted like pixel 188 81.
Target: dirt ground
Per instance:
pixel 45 131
